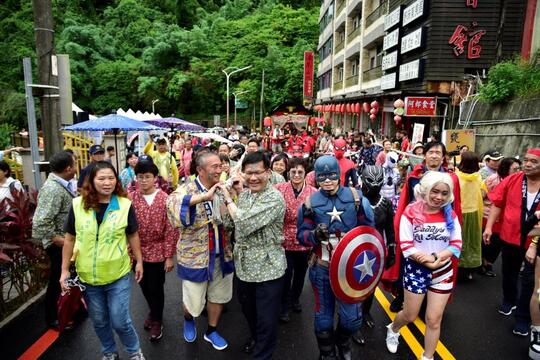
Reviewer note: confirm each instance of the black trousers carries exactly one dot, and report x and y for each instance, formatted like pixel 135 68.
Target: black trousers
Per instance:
pixel 512 257
pixel 152 288
pixel 293 283
pixel 261 305
pixel 491 252
pixel 53 287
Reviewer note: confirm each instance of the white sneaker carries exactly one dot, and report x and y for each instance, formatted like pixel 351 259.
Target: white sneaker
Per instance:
pixel 534 345
pixel 392 339
pixel 426 358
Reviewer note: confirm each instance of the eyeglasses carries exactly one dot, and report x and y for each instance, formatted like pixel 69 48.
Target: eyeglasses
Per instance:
pixel 327 176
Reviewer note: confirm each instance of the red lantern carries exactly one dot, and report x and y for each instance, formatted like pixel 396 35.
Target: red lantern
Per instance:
pixel 357 108
pixel 365 107
pixel 333 108
pixel 375 104
pixel 373 111
pixel 342 108
pixel 267 121
pixel 373 117
pixel 399 103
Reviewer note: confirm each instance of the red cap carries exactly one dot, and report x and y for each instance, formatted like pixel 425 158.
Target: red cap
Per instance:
pixel 534 151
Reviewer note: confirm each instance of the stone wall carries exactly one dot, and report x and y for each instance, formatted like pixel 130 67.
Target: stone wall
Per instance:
pixel 511 127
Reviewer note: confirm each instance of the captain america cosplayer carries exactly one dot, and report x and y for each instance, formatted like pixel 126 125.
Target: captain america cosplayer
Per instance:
pixel 347 175
pixel 324 218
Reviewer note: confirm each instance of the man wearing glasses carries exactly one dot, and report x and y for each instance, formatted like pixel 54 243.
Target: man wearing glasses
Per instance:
pixel 324 218
pixel 258 252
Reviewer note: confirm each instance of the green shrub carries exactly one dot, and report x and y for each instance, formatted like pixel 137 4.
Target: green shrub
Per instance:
pixel 5 135
pixel 511 78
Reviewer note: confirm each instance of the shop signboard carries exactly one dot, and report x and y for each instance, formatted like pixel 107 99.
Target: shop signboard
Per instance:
pixel 389 60
pixel 420 106
pixel 413 12
pixel 388 81
pixel 410 70
pixel 412 41
pixel 391 40
pixel 392 19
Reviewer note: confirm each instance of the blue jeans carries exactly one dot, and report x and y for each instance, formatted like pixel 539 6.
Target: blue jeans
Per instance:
pixel 350 315
pixel 108 307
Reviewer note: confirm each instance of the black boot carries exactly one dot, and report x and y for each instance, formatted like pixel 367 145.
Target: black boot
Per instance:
pixel 343 342
pixel 397 303
pixel 325 339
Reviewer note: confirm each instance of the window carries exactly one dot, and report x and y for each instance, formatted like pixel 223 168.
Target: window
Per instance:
pixel 354 67
pixel 326 49
pixel 327 18
pixel 356 21
pixel 325 80
pixel 340 73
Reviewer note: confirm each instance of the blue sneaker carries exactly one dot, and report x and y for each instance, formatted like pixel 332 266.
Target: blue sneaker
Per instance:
pixel 216 340
pixel 190 331
pixel 506 309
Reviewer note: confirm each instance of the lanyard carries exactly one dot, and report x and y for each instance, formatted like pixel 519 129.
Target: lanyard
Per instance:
pixel 525 213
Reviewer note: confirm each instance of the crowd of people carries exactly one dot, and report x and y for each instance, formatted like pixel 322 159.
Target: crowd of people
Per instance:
pixel 260 211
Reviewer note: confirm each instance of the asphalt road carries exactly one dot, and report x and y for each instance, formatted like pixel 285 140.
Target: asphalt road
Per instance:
pixel 471 329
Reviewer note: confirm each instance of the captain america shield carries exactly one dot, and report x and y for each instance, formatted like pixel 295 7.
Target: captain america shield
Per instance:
pixel 357 264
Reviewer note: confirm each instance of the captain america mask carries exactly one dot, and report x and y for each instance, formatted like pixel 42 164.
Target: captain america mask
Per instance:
pixel 326 168
pixel 340 147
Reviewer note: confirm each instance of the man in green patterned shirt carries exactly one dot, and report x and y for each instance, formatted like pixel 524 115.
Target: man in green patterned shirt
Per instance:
pixel 258 253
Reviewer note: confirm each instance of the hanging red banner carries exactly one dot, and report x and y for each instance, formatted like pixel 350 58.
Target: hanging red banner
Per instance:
pixel 308 75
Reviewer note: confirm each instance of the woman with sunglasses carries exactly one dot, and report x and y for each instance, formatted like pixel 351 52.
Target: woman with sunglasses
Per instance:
pixel 295 191
pixel 102 222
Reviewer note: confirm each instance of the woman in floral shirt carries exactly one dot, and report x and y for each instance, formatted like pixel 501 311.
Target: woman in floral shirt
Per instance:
pixel 295 193
pixel 158 243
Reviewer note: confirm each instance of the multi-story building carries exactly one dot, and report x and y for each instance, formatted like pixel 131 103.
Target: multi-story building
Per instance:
pixel 386 50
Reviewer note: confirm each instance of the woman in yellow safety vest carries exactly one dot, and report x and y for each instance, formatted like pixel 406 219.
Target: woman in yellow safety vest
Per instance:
pixel 100 224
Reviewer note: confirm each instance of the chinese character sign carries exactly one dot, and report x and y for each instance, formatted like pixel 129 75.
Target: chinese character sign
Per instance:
pixel 308 74
pixel 470 37
pixel 472 3
pixel 420 106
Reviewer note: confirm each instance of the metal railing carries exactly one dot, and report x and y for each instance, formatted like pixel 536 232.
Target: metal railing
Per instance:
pixel 351 81
pixel 354 33
pixel 377 13
pixel 372 74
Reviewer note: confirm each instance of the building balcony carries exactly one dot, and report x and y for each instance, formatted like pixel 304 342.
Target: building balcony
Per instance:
pixel 351 81
pixel 353 34
pixel 377 13
pixel 338 85
pixel 341 7
pixel 372 74
pixel 339 47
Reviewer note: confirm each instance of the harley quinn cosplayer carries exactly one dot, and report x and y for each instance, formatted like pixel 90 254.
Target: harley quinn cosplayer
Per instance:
pixel 430 236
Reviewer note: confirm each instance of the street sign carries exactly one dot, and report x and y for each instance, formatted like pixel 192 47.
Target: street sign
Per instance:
pixel 420 106
pixel 418 133
pixel 216 120
pixel 455 139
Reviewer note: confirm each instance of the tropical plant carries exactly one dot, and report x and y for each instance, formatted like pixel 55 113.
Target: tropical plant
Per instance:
pixel 23 267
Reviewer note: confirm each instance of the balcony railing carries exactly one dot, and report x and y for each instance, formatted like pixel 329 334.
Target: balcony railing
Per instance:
pixel 338 85
pixel 351 81
pixel 354 33
pixel 372 74
pixel 339 47
pixel 377 13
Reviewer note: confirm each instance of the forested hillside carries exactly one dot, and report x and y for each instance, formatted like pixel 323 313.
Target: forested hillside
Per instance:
pixel 125 53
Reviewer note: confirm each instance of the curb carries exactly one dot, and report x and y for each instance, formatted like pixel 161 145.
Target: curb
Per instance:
pixel 23 307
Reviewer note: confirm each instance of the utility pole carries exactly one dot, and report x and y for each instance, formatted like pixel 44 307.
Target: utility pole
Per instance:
pixel 262 104
pixel 50 115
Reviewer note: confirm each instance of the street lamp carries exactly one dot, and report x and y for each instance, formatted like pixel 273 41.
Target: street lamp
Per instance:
pixel 153 102
pixel 227 75
pixel 236 94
